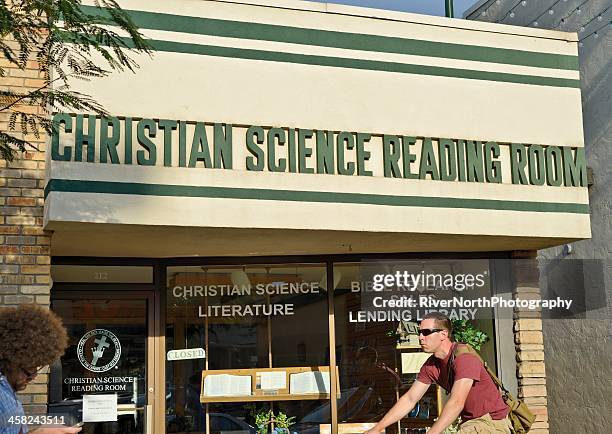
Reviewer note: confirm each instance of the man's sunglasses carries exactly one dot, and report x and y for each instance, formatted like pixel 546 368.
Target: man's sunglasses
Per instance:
pixel 427 332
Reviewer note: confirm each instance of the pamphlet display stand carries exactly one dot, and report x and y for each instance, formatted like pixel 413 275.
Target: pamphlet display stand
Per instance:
pixel 266 384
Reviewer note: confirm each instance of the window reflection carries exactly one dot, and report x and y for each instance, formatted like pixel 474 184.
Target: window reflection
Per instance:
pixel 256 316
pixel 377 357
pixel 276 316
pixel 106 355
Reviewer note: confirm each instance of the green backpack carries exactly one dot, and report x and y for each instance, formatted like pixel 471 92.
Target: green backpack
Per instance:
pixel 521 418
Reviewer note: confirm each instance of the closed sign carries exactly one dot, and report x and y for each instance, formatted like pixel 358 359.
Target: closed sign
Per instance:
pixel 188 353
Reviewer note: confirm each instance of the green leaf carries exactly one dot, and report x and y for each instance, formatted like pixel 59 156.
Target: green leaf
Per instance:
pixel 62 38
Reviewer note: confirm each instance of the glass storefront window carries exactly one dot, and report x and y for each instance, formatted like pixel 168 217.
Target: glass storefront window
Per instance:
pixel 243 342
pixel 234 318
pixel 377 346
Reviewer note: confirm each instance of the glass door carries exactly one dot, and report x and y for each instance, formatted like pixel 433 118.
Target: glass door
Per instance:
pixel 105 378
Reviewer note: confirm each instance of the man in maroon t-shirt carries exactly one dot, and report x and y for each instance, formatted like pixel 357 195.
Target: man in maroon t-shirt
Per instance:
pixel 473 395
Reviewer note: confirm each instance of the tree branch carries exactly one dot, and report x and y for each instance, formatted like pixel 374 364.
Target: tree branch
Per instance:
pixel 22 97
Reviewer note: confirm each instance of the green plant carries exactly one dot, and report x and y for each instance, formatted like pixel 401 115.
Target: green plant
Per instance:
pixel 282 421
pixel 66 41
pixel 262 420
pixel 464 332
pixel 265 418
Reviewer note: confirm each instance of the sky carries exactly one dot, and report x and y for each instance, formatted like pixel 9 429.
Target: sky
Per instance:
pixel 430 7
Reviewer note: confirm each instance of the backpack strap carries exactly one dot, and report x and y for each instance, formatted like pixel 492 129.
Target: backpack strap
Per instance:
pixel 467 349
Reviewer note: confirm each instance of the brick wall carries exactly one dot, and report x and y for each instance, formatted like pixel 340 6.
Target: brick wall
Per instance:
pixel 24 246
pixel 529 342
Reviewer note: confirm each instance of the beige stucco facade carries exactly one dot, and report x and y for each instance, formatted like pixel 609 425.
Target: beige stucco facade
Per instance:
pixel 361 77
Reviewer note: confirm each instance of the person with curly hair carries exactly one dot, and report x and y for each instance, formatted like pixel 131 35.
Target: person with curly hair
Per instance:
pixel 31 338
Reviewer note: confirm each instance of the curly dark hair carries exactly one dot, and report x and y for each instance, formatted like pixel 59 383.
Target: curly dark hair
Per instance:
pixel 31 336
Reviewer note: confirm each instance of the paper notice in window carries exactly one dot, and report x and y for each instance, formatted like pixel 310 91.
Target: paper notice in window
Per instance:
pixel 309 382
pixel 273 380
pixel 412 362
pixel 227 385
pixel 99 408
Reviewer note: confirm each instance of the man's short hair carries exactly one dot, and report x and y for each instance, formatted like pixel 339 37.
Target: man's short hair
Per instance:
pixel 441 321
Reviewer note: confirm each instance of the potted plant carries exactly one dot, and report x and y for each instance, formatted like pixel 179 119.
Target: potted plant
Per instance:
pixel 464 332
pixel 266 419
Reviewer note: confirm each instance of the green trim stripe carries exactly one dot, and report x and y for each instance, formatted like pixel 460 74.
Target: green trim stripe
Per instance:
pixel 346 40
pixel 370 65
pixel 78 186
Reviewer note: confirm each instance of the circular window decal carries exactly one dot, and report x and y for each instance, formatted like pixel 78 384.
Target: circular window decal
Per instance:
pixel 99 350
